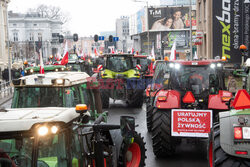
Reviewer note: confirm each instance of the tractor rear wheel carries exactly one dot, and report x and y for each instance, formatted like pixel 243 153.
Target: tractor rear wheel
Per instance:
pixel 149 115
pixel 216 155
pixel 105 100
pixel 163 143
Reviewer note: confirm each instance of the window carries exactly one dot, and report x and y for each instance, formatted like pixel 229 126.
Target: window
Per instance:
pixel 31 37
pixel 40 37
pixel 15 36
pixel 34 25
pixel 14 25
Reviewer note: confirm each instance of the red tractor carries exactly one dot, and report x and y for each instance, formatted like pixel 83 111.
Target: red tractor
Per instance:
pixel 185 99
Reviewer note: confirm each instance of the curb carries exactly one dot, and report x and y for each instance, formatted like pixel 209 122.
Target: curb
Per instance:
pixel 5 100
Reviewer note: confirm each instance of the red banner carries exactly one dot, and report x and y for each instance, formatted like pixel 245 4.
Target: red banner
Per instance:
pixel 191 123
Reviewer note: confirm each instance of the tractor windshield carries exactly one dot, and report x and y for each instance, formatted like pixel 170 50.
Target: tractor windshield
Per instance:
pixel 74 67
pixel 119 63
pixel 191 78
pixel 31 97
pixel 16 152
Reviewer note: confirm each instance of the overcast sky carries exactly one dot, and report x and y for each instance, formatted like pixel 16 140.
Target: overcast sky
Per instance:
pixel 88 17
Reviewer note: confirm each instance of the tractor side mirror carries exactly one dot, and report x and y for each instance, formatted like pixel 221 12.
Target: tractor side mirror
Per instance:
pixel 127 124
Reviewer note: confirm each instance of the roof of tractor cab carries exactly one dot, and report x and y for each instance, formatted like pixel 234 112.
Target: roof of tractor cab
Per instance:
pixel 22 119
pixel 46 67
pixel 117 54
pixel 196 62
pixel 49 79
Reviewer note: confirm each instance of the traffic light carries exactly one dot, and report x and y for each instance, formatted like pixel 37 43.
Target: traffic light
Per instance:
pixel 75 37
pixel 61 38
pixel 110 38
pixel 96 38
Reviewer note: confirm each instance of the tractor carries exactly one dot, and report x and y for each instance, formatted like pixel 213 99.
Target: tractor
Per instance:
pixel 228 143
pixel 185 99
pixel 79 64
pixel 120 80
pixel 58 121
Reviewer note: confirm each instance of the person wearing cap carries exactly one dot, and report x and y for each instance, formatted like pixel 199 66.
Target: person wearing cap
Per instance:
pixel 231 84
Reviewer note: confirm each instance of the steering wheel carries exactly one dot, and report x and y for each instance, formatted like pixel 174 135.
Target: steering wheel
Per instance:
pixel 41 163
pixel 21 160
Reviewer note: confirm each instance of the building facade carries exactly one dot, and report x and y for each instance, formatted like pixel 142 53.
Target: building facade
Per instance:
pixel 3 34
pixel 205 27
pixel 122 31
pixel 29 32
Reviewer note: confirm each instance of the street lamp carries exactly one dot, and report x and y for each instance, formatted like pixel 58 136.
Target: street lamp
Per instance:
pixel 147 21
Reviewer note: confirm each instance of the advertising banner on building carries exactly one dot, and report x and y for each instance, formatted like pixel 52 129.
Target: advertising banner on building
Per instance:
pixel 141 21
pixel 230 28
pixel 168 18
pixel 177 2
pixel 181 38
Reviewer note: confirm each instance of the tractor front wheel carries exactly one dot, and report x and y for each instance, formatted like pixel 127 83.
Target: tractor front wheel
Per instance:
pixel 216 155
pixel 163 143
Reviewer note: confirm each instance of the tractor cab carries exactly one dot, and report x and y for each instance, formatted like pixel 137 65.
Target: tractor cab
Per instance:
pixel 59 89
pixel 79 65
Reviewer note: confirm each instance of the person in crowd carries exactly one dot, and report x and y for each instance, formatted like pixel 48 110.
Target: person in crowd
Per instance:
pixel 231 84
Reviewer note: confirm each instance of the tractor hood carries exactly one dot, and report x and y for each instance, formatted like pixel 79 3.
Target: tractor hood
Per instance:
pixel 23 119
pixel 127 74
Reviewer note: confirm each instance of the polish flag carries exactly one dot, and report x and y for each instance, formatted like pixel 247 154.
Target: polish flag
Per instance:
pixel 65 58
pixel 132 50
pixel 173 52
pixel 41 63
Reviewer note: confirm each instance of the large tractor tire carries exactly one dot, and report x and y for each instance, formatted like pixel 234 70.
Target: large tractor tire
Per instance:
pixel 137 100
pixel 163 143
pixel 105 100
pixel 129 155
pixel 149 115
pixel 216 155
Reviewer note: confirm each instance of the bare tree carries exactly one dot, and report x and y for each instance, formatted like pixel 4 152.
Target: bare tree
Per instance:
pixel 52 12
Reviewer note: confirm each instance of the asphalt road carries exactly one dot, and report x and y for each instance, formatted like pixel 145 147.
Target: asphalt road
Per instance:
pixel 187 154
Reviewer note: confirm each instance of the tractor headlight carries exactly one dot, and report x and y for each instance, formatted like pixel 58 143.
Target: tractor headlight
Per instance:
pixel 43 130
pixel 177 66
pixel 56 69
pixel 212 66
pixel 59 81
pixel 54 129
pixel 219 65
pixel 31 70
pixel 171 65
pixel 62 69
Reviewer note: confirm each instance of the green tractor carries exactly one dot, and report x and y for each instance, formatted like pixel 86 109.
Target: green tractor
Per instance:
pixel 120 80
pixel 56 120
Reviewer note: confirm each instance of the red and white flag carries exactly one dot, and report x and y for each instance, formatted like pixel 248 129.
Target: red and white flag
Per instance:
pixel 138 66
pixel 41 62
pixel 173 52
pixel 65 58
pixel 99 67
